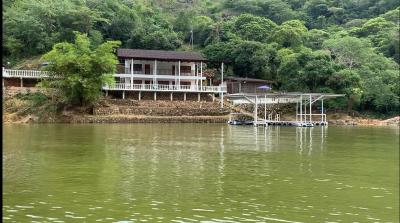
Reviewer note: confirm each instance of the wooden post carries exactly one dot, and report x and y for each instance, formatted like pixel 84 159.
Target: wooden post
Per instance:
pixel 172 97
pixel 21 82
pixel 198 96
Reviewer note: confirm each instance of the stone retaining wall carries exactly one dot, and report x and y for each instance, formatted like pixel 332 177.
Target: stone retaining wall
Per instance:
pixel 150 119
pixel 159 108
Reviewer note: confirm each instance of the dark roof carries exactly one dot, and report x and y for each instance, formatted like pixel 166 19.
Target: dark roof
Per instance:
pixel 160 55
pixel 247 79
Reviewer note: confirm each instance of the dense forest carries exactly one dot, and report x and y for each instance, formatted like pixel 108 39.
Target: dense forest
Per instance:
pixel 341 46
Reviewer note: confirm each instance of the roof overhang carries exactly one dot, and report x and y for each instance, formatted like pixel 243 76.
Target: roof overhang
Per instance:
pixel 161 55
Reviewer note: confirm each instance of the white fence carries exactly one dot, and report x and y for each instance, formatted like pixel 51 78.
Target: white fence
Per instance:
pixel 163 87
pixel 24 73
pixel 122 86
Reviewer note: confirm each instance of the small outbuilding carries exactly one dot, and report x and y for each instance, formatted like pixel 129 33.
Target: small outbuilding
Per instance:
pixel 245 85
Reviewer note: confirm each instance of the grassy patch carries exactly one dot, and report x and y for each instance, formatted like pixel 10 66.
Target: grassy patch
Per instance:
pixel 36 103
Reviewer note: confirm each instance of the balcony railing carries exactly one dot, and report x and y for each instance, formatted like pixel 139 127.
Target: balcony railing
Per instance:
pixel 164 87
pixel 25 73
pixel 162 72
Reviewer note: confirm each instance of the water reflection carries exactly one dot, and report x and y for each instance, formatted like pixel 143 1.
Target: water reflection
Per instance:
pixel 270 139
pixel 189 173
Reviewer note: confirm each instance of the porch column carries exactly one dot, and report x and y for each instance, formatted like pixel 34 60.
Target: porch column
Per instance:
pixel 301 108
pixel 310 110
pixel 123 94
pixel 22 82
pixel 213 97
pixel 106 93
pixel 155 72
pixel 222 84
pixel 201 76
pixel 131 73
pixel 255 112
pixel 171 96
pixel 155 96
pixel 198 96
pixel 140 95
pixel 196 75
pixel 322 110
pixel 184 96
pixel 305 111
pixel 175 74
pixel 265 109
pixel 179 74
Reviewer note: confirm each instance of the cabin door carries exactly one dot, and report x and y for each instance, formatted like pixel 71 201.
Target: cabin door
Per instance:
pixel 147 69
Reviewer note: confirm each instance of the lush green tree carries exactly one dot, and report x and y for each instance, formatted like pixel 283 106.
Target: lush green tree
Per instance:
pixel 78 71
pixel 253 59
pixel 315 38
pixel 290 33
pixel 220 52
pixel 119 19
pixel 304 70
pixel 347 82
pixel 349 45
pixel 349 51
pixel 255 28
pixel 202 27
pixel 316 71
pixel 276 10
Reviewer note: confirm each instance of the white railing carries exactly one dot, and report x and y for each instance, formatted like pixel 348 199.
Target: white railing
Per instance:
pixel 164 87
pixel 24 73
pixel 161 72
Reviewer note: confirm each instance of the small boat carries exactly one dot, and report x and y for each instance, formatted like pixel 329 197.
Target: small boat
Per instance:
pixel 248 122
pixel 236 122
pixel 303 124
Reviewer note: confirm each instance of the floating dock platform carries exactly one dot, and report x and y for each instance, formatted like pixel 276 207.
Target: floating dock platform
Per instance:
pixel 304 111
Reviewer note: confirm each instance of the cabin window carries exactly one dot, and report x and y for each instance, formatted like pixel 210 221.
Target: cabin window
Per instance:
pixel 121 60
pixel 137 67
pixel 186 69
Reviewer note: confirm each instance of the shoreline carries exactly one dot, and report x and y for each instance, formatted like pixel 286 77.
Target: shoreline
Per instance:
pixel 112 119
pixel 20 110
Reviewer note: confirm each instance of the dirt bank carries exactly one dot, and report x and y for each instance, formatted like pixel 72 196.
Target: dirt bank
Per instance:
pixel 28 107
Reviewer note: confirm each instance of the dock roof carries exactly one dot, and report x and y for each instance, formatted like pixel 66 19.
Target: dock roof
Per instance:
pixel 282 95
pixel 160 55
pixel 246 79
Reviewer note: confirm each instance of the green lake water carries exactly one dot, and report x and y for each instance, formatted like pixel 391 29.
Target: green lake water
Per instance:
pixel 199 173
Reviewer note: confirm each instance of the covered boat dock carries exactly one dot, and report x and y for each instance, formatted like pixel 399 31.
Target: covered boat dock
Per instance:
pixel 304 104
